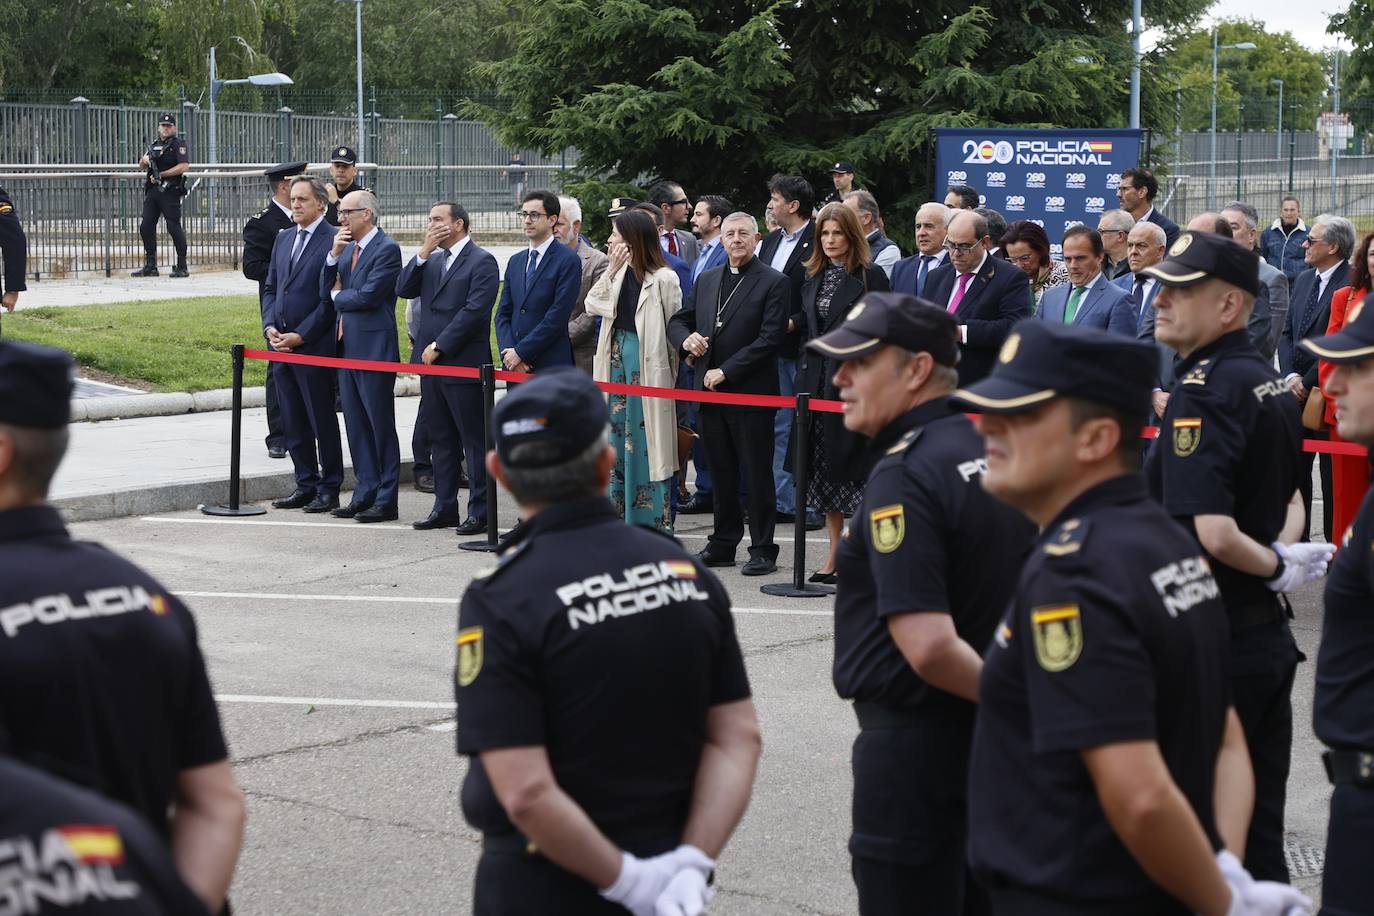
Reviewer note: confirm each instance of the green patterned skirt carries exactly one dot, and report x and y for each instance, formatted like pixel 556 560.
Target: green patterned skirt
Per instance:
pixel 640 500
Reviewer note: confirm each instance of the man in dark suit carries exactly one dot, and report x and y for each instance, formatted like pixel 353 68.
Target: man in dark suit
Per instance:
pixel 986 295
pixel 539 293
pixel 1136 193
pixel 1329 243
pixel 731 327
pixel 365 261
pixel 909 275
pixel 674 210
pixel 456 282
pixel 296 318
pixel 581 326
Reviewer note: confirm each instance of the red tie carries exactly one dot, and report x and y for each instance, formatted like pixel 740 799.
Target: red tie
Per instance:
pixel 352 266
pixel 672 242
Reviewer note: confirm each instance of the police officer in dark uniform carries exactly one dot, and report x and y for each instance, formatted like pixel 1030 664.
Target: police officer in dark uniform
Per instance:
pixel 1343 711
pixel 1226 466
pixel 925 570
pixel 1104 722
pixel 343 167
pixel 101 679
pixel 259 235
pixel 599 680
pixel 14 250
pixel 166 161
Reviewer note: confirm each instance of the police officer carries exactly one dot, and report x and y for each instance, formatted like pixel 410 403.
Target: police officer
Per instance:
pixel 166 161
pixel 1345 661
pixel 259 235
pixel 925 569
pixel 14 250
pixel 101 678
pixel 599 680
pixel 1226 466
pixel 1104 722
pixel 343 169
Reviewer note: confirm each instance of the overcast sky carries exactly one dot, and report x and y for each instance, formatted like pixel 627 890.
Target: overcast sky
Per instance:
pixel 1306 19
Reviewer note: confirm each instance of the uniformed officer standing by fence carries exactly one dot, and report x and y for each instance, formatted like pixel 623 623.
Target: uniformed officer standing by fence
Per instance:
pixel 1343 711
pixel 165 185
pixel 14 252
pixel 602 697
pixel 343 180
pixel 925 568
pixel 1226 466
pixel 101 679
pixel 1108 763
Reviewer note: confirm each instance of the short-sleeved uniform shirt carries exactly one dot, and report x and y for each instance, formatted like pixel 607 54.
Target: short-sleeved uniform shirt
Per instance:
pixel 607 645
pixel 101 678
pixel 166 153
pixel 1116 633
pixel 1343 711
pixel 89 854
pixel 927 537
pixel 1230 444
pixel 14 248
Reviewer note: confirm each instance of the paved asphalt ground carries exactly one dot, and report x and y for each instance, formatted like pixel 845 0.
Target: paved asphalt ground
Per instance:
pixel 330 646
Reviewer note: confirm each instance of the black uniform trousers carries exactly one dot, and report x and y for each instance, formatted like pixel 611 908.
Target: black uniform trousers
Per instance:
pixel 1263 701
pixel 1348 880
pixel 1020 902
pixel 456 426
pixel 1305 487
pixel 310 428
pixel 739 442
pixel 159 204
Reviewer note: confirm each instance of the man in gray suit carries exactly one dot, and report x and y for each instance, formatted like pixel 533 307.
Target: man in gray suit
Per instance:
pixel 581 326
pixel 1244 220
pixel 672 201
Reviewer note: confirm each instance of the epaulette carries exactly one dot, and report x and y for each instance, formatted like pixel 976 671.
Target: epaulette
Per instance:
pixel 1198 374
pixel 904 443
pixel 505 559
pixel 1068 538
pixel 262 214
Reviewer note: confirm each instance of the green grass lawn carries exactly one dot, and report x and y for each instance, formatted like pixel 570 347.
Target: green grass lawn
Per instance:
pixel 168 345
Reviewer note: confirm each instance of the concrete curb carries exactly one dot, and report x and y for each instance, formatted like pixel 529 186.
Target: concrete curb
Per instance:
pixel 170 404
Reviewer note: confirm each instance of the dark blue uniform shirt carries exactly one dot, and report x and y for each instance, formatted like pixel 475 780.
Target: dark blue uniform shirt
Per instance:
pixel 1343 712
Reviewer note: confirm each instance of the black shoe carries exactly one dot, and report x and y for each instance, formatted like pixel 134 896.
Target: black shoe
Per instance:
pixel 696 506
pixel 829 578
pixel 424 483
pixel 436 520
pixel 179 272
pixel 350 510
pixel 322 504
pixel 784 518
pixel 758 566
pixel 377 514
pixel 705 557
pixel 472 526
pixel 276 451
pixel 463 482
pixel 298 500
pixel 147 270
pixel 814 521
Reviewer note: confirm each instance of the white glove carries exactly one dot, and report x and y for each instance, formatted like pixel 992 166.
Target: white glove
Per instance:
pixel 1259 898
pixel 1302 563
pixel 686 895
pixel 642 880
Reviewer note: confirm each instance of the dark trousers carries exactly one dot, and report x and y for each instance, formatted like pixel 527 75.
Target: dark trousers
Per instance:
pixel 162 205
pixel 1263 703
pixel 310 428
pixel 369 409
pixel 457 431
pixel 420 447
pixel 1348 880
pixel 739 443
pixel 512 884
pixel 276 435
pixel 1305 486
pixel 1020 902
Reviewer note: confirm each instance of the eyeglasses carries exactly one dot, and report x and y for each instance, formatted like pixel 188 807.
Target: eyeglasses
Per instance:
pixel 528 215
pixel 1105 231
pixel 1125 187
pixel 685 202
pixel 351 212
pixel 1313 240
pixel 1022 259
pixel 961 247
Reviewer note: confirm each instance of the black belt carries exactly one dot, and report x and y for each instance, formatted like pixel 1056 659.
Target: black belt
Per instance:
pixel 508 843
pixel 1354 768
pixel 879 715
pixel 1249 616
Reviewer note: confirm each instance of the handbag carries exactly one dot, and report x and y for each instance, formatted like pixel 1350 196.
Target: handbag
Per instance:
pixel 1314 412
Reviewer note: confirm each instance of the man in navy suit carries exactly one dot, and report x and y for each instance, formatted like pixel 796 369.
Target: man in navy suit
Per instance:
pixel 1089 299
pixel 456 282
pixel 986 295
pixel 540 291
pixel 909 275
pixel 1144 248
pixel 1136 192
pixel 365 261
pixel 296 318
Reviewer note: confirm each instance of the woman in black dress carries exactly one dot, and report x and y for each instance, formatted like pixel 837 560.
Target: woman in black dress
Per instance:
pixel 838 274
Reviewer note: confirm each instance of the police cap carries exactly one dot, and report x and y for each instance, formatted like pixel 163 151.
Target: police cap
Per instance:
pixel 1043 360
pixel 842 168
pixel 285 170
pixel 562 409
pixel 167 118
pixel 345 155
pixel 35 386
pixel 620 204
pixel 1197 256
pixel 1353 343
pixel 899 319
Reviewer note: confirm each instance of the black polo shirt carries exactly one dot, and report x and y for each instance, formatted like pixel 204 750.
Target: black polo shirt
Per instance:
pixel 606 644
pixel 1343 711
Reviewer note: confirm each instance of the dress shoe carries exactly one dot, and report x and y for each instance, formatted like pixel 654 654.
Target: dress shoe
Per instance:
pixel 298 500
pixel 785 518
pixel 696 506
pixel 276 451
pixel 424 483
pixel 180 272
pixel 350 510
pixel 147 270
pixel 322 504
pixel 717 561
pixel 758 566
pixel 472 526
pixel 377 514
pixel 436 520
pixel 814 521
pixel 829 578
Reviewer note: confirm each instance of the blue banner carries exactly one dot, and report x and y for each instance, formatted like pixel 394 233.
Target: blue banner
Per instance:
pixel 1055 178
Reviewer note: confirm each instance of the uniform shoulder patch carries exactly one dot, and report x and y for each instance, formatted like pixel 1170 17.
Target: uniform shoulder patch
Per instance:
pixel 1187 435
pixel 887 527
pixel 1198 374
pixel 1068 538
pixel 469 655
pixel 1057 631
pixel 6 207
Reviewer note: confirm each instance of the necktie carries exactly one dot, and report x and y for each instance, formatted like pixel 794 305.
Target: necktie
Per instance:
pixel 672 242
pixel 1071 309
pixel 959 292
pixel 921 274
pixel 1311 302
pixel 701 262
pixel 301 236
pixel 353 264
pixel 1140 295
pixel 449 257
pixel 531 266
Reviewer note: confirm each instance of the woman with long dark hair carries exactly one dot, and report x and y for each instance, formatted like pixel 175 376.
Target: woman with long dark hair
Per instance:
pixel 1028 247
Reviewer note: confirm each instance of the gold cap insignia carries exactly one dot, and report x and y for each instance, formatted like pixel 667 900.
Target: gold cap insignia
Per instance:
pixel 1354 311
pixel 855 312
pixel 1008 352
pixel 1181 244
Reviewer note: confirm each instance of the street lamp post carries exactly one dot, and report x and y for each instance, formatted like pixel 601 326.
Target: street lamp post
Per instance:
pixel 358 54
pixel 1278 140
pixel 216 84
pixel 1212 171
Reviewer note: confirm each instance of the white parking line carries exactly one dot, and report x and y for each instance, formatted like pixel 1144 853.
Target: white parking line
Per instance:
pixel 332 701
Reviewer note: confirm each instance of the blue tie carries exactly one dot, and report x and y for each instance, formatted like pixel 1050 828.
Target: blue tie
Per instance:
pixel 531 266
pixel 301 236
pixel 700 262
pixel 1311 303
pixel 921 276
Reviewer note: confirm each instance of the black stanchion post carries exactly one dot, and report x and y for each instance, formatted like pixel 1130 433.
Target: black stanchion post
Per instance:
pixel 488 405
pixel 235 434
pixel 801 472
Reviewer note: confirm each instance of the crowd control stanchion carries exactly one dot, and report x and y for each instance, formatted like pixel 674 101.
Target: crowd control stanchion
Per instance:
pixel 799 587
pixel 235 432
pixel 488 405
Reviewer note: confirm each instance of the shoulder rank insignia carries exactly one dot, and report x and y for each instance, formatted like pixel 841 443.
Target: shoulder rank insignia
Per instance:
pixel 469 655
pixel 1187 435
pixel 1067 539
pixel 1198 374
pixel 887 527
pixel 1057 631
pixel 903 443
